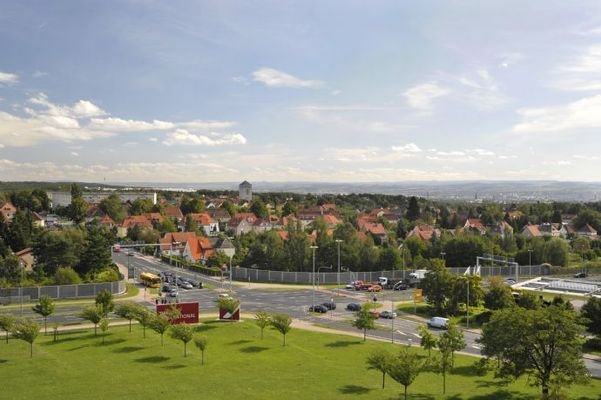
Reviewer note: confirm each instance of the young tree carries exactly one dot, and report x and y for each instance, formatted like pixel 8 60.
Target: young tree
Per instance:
pixel 282 323
pixel 45 308
pixel 263 320
pixel 405 368
pixel 498 295
pixel 54 332
pixel 104 327
pixel 182 332
pixel 144 317
pixel 160 323
pixel 127 310
pixel 7 323
pixel 104 300
pixel 544 343
pixel 93 314
pixel 454 340
pixel 591 310
pixel 201 342
pixel 427 339
pixel 26 330
pixel 445 360
pixel 379 360
pixel 364 320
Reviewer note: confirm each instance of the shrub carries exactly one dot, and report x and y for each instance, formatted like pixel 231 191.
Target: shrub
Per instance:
pixel 66 276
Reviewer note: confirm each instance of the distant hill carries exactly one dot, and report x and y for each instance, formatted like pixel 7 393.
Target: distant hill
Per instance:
pixel 47 186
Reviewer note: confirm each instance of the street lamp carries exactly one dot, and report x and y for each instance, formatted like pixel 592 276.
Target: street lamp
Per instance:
pixel 313 275
pixel 530 257
pixel 467 304
pixel 338 241
pixel 231 272
pixel 442 254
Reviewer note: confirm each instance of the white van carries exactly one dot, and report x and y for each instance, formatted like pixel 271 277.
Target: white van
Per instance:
pixel 438 323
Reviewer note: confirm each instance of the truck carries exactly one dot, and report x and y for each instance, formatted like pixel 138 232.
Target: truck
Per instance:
pixel 387 283
pixel 418 274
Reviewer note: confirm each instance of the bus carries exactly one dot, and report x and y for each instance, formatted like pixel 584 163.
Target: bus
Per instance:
pixel 150 280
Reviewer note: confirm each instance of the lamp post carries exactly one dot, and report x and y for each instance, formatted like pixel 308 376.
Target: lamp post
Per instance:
pixel 392 319
pixel 313 275
pixel 442 254
pixel 467 304
pixel 232 256
pixel 530 257
pixel 338 241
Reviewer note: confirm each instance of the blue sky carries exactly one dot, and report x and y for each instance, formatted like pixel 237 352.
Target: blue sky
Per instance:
pixel 332 91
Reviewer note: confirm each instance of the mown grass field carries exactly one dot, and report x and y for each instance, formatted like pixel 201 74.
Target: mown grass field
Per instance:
pixel 238 365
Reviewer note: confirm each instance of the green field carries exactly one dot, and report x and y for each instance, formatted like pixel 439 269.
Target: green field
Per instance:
pixel 238 365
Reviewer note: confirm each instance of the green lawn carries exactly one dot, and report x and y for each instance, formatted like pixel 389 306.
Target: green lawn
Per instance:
pixel 238 365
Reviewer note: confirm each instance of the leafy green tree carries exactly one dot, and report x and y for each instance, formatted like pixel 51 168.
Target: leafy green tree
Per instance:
pixel 191 204
pixel 498 295
pixel 405 368
pixel 104 300
pixel 160 324
pixel 263 320
pixel 191 224
pixel 184 333
pixel 461 251
pixel 113 207
pixel 21 230
pixel 437 287
pixel 379 360
pixel 26 330
pixel 144 318
pixel 545 344
pixel 289 209
pixel 78 207
pixel 528 300
pixel 258 208
pixel 45 308
pixel 10 269
pixel 104 327
pixel 94 314
pixel 97 254
pixel 453 340
pixel 66 276
pixel 364 320
pixel 201 343
pixel 427 339
pixel 390 258
pixel 52 251
pixel 141 206
pixel 229 207
pixel 7 322
pixel 167 226
pixel 591 311
pixel 127 310
pixel 413 211
pixel 282 323
pixel 445 360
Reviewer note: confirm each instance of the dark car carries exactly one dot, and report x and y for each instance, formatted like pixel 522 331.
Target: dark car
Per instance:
pixel 196 284
pixel 387 314
pixel 329 305
pixel 580 275
pixel 400 286
pixel 166 288
pixel 353 307
pixel 318 309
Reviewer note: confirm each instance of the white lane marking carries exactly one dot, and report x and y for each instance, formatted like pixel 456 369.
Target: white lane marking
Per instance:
pixel 401 333
pixel 475 346
pixel 416 335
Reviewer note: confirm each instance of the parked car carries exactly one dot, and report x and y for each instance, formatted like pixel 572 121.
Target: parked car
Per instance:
pixel 400 286
pixel 173 292
pixel 166 288
pixel 388 314
pixel 196 284
pixel 353 307
pixel 186 285
pixel 438 322
pixel 224 295
pixel 329 305
pixel 319 308
pixel 580 275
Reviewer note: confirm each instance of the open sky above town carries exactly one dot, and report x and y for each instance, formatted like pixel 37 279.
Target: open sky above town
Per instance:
pixel 324 91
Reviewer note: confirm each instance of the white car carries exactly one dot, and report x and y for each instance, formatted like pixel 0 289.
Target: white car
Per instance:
pixel 224 295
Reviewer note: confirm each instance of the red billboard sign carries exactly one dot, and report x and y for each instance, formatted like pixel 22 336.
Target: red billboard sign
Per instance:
pixel 189 312
pixel 226 315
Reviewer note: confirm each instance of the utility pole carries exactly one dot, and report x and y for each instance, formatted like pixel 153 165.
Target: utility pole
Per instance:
pixel 313 275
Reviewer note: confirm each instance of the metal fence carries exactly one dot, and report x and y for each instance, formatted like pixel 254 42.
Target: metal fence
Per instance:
pixel 261 275
pixel 60 291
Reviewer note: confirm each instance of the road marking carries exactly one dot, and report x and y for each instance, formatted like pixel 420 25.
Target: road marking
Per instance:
pixel 416 335
pixel 401 333
pixel 475 346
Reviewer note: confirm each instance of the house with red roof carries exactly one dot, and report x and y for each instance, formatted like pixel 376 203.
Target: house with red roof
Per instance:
pixel 174 212
pixel 208 224
pixel 239 225
pixel 173 243
pixel 198 249
pixel 424 232
pixel 8 211
pixel 475 224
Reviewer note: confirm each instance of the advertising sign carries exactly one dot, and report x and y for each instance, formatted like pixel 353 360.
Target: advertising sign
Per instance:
pixel 417 296
pixel 224 314
pixel 189 312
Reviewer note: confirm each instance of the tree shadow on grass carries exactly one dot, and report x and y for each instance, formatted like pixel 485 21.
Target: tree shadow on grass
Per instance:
pixel 253 349
pixel 241 341
pixel 59 340
pixel 204 327
pixel 497 382
pixel 153 359
pixel 342 343
pixel 420 396
pixel 503 395
pixel 83 346
pixel 128 349
pixel 466 370
pixel 176 366
pixel 3 361
pixel 110 342
pixel 354 389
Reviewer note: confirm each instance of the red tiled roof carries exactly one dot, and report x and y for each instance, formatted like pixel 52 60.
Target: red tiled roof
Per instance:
pixel 174 212
pixel 202 218
pixel 250 217
pixel 200 248
pixel 133 220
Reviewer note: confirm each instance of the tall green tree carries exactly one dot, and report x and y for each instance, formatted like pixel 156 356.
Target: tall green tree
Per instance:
pixel 127 310
pixel 26 330
pixel 97 254
pixel 453 340
pixel 445 360
pixel 104 327
pixel 379 360
pixel 413 211
pixel 545 344
pixel 104 300
pixel 364 320
pixel 405 368
pixel 113 207
pixel 183 333
pixel 498 295
pixel 22 231
pixel 427 339
pixel 45 308
pixel 283 324
pixel 258 208
pixel 160 324
pixel 144 318
pixel 78 207
pixel 591 311
pixel 52 251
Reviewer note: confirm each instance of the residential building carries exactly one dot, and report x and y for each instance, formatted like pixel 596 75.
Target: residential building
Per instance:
pixel 198 249
pixel 8 211
pixel 424 232
pixel 245 191
pixel 208 224
pixel 173 243
pixel 239 225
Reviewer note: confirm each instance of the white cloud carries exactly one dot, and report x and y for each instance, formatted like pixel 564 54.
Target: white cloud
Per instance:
pixel 184 137
pixel 564 119
pixel 153 139
pixel 8 79
pixel 586 158
pixel 84 108
pixel 408 148
pixel 510 59
pixel 422 96
pixel 39 74
pixel 450 153
pixel 581 72
pixel 274 78
pixel 482 152
pixel 74 153
pixel 129 125
pixel 481 90
pixel 349 118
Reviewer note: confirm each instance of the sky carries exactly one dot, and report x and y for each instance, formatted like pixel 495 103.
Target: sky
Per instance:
pixel 319 91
